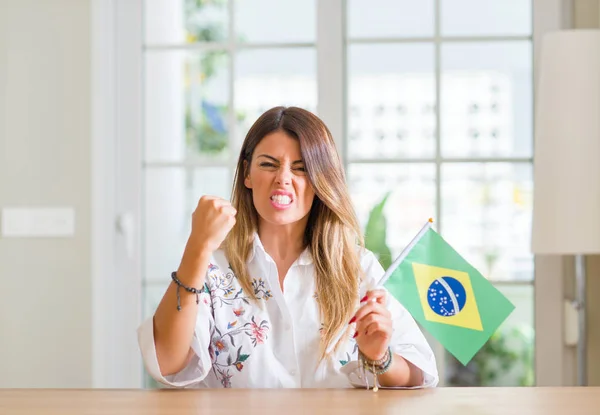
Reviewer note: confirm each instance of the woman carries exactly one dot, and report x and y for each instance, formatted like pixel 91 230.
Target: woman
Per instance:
pixel 267 283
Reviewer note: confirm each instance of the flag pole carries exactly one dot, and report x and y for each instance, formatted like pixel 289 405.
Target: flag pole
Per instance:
pixel 390 271
pixel 404 253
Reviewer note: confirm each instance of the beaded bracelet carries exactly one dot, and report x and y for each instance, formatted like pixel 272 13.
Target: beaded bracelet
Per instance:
pixel 377 367
pixel 188 289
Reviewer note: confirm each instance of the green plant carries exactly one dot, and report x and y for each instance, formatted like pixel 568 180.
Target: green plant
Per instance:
pixel 494 359
pixel 490 257
pixel 207 133
pixel 376 234
pixel 505 360
pixel 206 122
pixel 525 336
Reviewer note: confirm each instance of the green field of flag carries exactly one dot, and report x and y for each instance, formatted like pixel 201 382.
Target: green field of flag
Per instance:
pixel 447 296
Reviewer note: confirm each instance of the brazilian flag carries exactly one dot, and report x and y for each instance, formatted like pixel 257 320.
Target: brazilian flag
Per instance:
pixel 447 296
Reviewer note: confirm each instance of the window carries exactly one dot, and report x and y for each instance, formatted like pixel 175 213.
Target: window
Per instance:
pixel 439 115
pixel 438 112
pixel 210 69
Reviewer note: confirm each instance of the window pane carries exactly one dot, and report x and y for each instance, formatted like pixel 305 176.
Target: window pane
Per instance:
pixel 276 21
pixel 507 358
pixel 410 204
pixel 391 101
pixel 170 197
pixel 390 18
pixel 486 99
pixel 486 216
pixel 266 78
pixel 179 21
pixel 186 96
pixel 486 17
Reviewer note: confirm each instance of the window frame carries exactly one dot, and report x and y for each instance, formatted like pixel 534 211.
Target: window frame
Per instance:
pixel 116 145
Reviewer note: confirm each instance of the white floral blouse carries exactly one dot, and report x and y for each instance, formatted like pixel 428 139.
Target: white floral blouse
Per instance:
pixel 275 344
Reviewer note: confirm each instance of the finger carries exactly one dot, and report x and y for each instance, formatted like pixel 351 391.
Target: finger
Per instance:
pixel 370 307
pixel 377 310
pixel 228 210
pixel 374 323
pixel 378 295
pixel 373 318
pixel 378 327
pixel 207 198
pixel 219 202
pixel 215 201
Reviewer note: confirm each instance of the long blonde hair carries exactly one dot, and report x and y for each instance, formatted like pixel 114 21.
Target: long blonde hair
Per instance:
pixel 332 232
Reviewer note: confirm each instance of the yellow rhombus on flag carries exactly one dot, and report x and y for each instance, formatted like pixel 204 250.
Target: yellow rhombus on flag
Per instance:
pixel 446 295
pixel 433 282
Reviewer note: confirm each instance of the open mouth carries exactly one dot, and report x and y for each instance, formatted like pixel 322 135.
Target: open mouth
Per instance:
pixel 282 200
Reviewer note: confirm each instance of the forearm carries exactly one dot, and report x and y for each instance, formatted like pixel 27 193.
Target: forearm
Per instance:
pixel 401 373
pixel 173 329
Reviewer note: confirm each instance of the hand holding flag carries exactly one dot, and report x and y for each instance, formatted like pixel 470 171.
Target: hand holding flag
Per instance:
pixel 445 294
pixel 387 274
pixel 373 325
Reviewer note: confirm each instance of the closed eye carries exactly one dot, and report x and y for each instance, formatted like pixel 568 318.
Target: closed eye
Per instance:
pixel 266 164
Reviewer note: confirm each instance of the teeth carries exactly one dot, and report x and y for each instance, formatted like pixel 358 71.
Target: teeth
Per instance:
pixel 281 199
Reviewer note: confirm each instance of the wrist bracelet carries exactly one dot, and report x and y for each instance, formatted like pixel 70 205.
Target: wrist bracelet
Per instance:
pixel 185 287
pixel 377 367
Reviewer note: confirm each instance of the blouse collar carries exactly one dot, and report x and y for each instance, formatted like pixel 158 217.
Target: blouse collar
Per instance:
pixel 305 257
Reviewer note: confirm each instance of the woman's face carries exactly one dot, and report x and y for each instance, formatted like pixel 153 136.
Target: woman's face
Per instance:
pixel 281 191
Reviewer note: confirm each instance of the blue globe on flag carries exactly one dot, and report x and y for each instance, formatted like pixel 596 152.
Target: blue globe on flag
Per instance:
pixel 446 296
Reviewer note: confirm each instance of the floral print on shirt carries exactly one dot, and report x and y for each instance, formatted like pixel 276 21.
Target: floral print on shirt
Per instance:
pixel 352 356
pixel 224 290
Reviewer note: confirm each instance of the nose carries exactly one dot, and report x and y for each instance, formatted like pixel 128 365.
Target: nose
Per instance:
pixel 284 176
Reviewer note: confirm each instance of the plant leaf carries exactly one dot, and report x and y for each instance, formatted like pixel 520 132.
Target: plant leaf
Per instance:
pixel 376 234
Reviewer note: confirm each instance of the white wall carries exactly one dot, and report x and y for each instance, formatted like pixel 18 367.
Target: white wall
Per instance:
pixel 586 15
pixel 45 284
